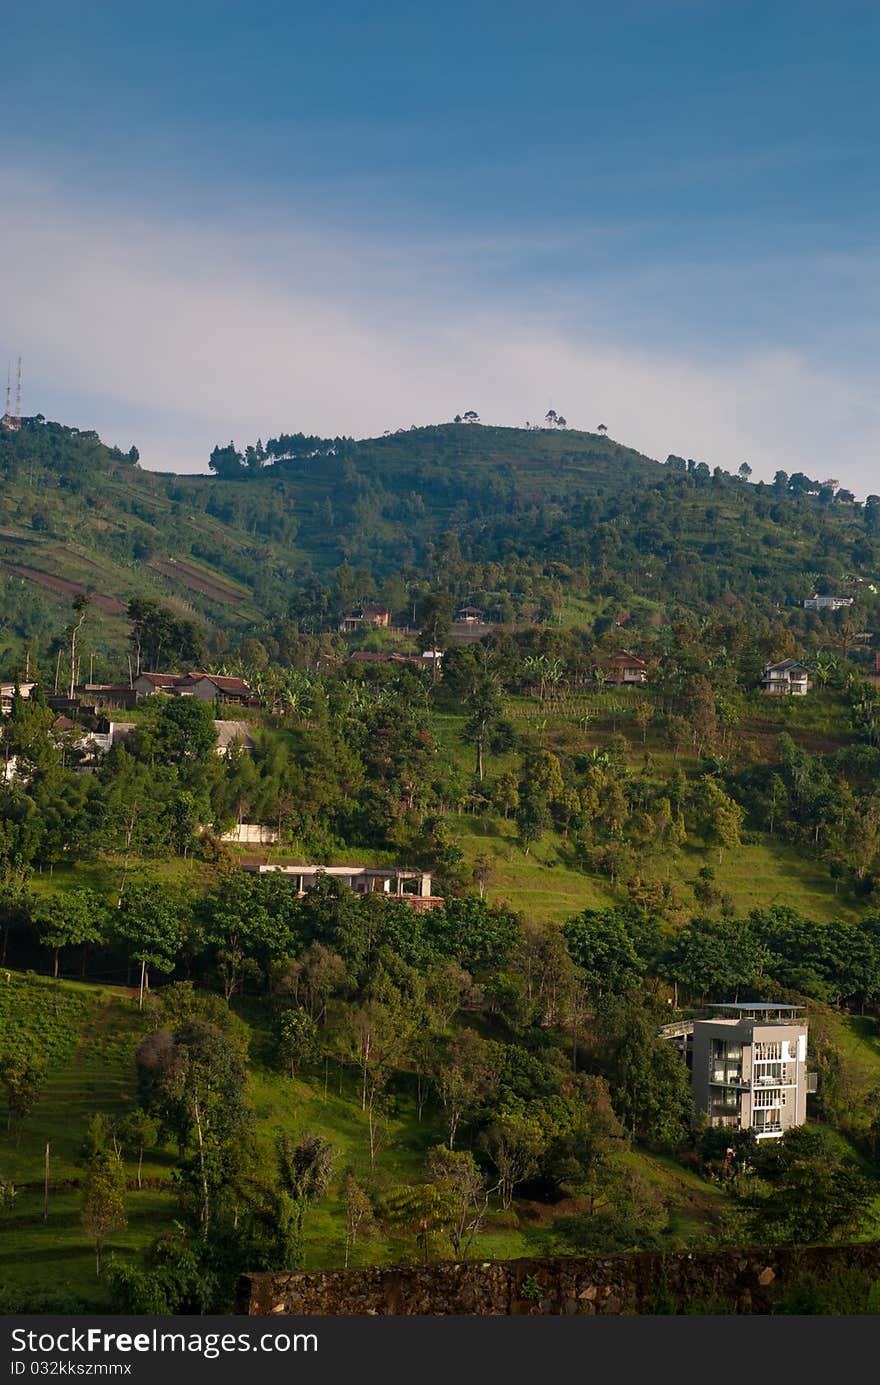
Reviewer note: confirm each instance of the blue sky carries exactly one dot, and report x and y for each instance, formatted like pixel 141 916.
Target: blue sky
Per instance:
pixel 220 220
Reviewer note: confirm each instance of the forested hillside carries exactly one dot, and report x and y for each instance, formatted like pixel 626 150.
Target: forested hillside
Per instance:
pixel 231 1077
pixel 546 525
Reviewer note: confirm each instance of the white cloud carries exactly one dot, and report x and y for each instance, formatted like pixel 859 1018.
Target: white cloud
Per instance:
pixel 179 335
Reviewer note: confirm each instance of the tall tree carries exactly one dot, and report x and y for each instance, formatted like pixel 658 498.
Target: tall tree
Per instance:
pixel 103 1206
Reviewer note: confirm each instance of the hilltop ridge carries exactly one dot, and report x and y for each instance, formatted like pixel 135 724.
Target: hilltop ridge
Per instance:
pixel 306 525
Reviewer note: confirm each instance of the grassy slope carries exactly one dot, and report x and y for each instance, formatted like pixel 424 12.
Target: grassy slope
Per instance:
pixel 87 1035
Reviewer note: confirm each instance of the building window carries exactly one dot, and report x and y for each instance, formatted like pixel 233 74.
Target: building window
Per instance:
pixel 771 1096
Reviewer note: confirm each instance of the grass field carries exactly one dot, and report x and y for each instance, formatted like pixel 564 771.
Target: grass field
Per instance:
pixel 86 1038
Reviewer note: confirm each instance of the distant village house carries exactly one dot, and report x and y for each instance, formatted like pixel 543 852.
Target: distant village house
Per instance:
pixel 789 677
pixel 7 694
pixel 206 687
pixel 827 603
pixel 625 670
pixel 469 615
pixel 366 616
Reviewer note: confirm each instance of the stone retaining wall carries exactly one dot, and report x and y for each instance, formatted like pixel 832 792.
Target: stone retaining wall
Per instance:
pixel 732 1280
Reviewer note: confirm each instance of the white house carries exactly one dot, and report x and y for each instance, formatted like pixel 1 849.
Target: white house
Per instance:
pixel 827 603
pixel 789 676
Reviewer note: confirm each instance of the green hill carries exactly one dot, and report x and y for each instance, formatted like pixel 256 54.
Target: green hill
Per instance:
pixel 547 525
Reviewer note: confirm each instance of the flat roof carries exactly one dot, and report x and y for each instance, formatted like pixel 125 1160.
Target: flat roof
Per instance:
pixel 292 869
pixel 752 1005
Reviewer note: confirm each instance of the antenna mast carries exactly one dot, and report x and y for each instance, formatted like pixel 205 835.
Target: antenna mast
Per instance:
pixel 18 395
pixel 8 415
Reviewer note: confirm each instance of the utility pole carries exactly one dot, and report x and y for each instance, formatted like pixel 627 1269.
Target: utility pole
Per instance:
pixel 46 1187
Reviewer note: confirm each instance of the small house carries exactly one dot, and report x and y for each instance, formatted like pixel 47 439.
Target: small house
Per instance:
pixel 215 687
pixel 789 677
pixel 7 693
pixel 367 616
pixel 207 687
pixel 827 603
pixel 625 670
pixel 469 615
pixel 149 683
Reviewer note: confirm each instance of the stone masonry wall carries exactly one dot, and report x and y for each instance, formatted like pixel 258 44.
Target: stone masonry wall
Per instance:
pixel 738 1280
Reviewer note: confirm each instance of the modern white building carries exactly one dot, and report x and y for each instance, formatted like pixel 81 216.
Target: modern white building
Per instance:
pixel 827 603
pixel 749 1068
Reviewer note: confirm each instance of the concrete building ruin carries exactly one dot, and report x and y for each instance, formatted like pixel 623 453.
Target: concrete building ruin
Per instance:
pixel 411 887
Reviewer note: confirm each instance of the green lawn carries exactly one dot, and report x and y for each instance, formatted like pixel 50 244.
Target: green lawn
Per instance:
pixel 55 1257
pixel 547 888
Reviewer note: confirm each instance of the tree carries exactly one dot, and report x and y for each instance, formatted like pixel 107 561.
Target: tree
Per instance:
pixel 375 1036
pixel 649 1084
pixel 600 944
pixel 23 1079
pixel 776 800
pixel 457 1174
pixel 103 1207
pixel 193 1081
pixel 177 731
pixel 481 872
pixel 72 919
pixel 158 631
pixel 532 815
pixel 480 936
pixel 304 1171
pixel 744 471
pixel 226 462
pixel 815 1200
pixel 584 1148
pixel 149 921
pixel 486 712
pixel 514 1144
pixel 81 604
pixel 298 1043
pixel 463 1073
pixel 358 1212
pixel 422 1208
pixel 138 1130
pixel 628 1214
pixel 721 816
pixel 698 710
pixel 435 622
pixel 643 713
